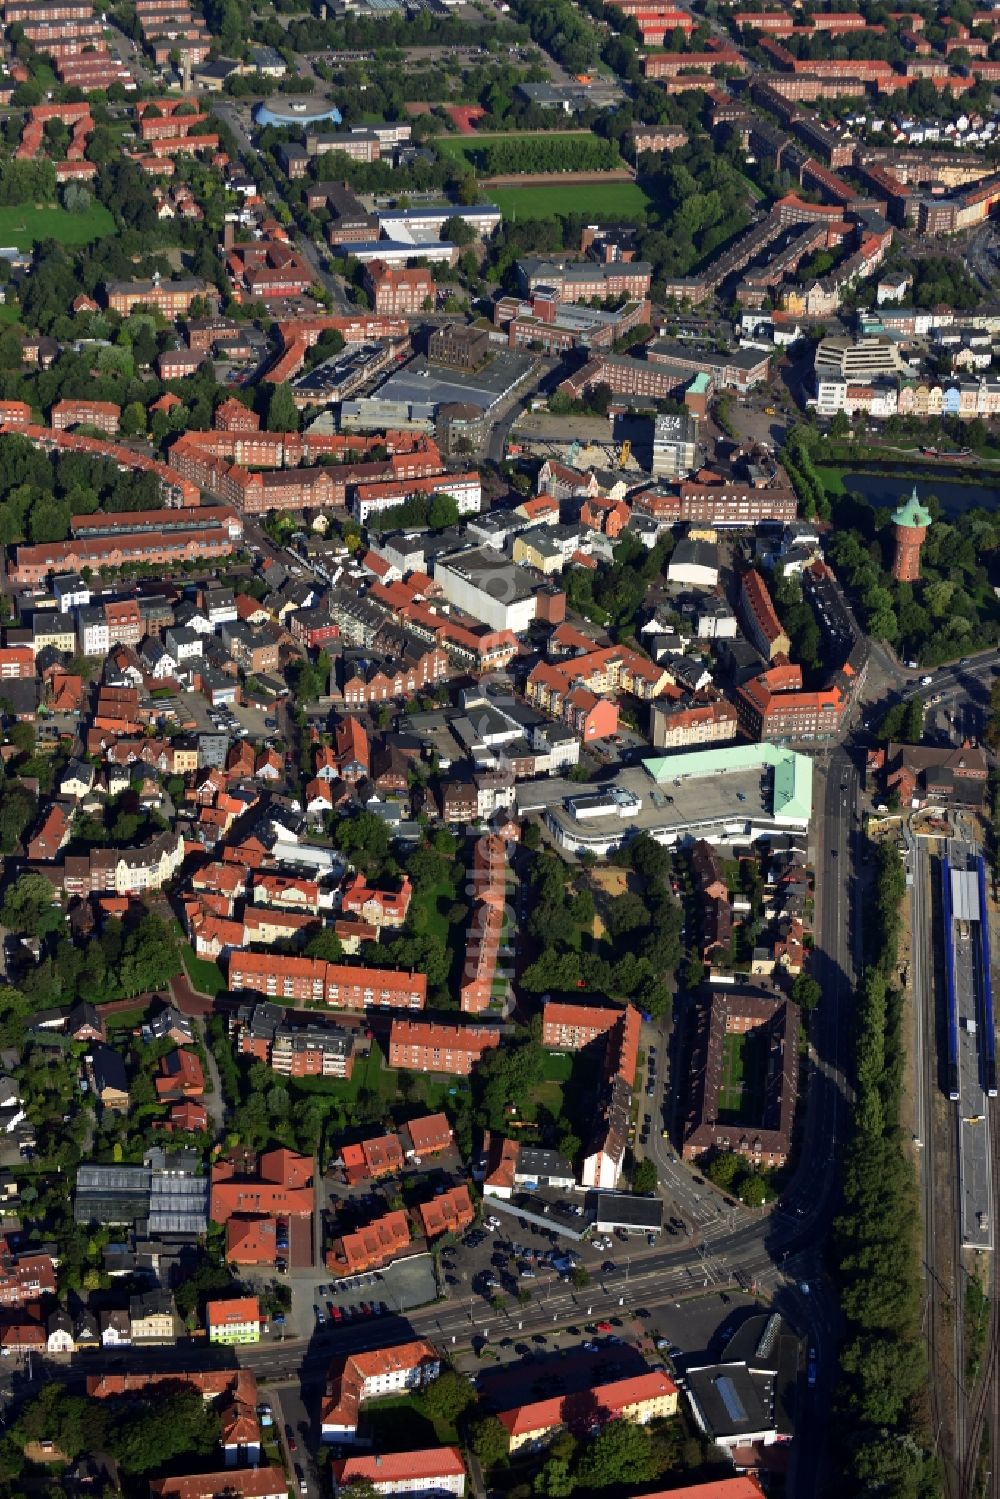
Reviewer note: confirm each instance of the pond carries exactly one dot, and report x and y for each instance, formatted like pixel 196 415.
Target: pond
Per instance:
pixel 887 489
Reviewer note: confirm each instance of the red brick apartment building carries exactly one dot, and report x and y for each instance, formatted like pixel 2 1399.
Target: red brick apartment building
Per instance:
pixel 454 1050
pixel 767 1140
pixel 671 64
pixel 398 291
pixel 104 415
pixel 268 271
pixel 47 10
pixel 313 981
pixel 767 711
pixel 15 414
pixel 567 1027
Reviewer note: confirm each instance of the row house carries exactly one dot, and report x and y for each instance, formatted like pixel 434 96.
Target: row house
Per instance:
pixel 428 1470
pixel 372 1160
pixel 381 682
pixel 369 1248
pixel 128 871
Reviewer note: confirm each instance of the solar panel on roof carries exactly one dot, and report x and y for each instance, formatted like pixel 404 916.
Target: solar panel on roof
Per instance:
pixel 730 1398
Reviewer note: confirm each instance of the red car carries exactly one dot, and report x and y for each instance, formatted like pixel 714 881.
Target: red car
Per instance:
pixel 604 1327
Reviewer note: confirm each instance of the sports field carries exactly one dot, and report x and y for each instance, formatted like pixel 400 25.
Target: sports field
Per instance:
pixel 611 199
pixel 744 1074
pixel 23 225
pixel 468 145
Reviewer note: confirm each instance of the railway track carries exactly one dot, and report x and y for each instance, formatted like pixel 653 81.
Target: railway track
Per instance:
pixel 982 1410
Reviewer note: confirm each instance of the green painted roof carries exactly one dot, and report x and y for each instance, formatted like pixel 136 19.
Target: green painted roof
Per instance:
pixel 911 513
pixel 792 772
pixel 699 384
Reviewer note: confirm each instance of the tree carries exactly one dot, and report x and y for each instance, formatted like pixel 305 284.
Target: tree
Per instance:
pixel 282 412
pixel 133 422
pixel 326 945
pixel 28 907
pixel 722 1169
pixel 489 1442
pixel 619 1456
pixel 448 1397
pixel 806 991
pixel 458 231
pixel 644 1178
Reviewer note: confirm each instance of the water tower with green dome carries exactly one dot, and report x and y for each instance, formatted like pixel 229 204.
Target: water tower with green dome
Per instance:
pixel 910 521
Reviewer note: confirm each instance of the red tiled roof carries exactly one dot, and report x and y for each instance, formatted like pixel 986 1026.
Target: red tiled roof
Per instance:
pixel 606 1400
pixel 388 1467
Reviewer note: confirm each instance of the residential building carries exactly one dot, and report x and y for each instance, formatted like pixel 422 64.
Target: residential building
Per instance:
pixel 431 1134
pixel 454 1050
pixel 639 1399
pixel 428 1472
pixel 759 619
pixel 449 1212
pixel 773 1025
pixel 398 291
pixel 370 1247
pixel 681 725
pixel 232 1483
pixel 237 1320
pixel 25 1278
pixel 102 415
pixel 152 1318
pixel 366 1376
pixel 338 985
pixel 295 1047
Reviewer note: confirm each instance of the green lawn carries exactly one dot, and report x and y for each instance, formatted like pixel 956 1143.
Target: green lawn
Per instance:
pixel 402 1423
pixel 622 199
pixel 23 224
pixel 367 1073
pixel 832 479
pixel 9 312
pixel 744 1074
pixel 127 1020
pixel 437 900
pixel 205 976
pixel 557 1067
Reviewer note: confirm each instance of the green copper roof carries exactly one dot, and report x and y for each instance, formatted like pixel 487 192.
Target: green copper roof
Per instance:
pixel 792 772
pixel 911 512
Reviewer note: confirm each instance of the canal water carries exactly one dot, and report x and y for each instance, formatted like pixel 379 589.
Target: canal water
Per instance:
pixel 887 489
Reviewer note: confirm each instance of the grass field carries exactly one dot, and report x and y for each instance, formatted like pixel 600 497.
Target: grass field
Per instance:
pixel 458 146
pixel 205 975
pixel 23 224
pixel 9 312
pixel 744 1072
pixel 610 199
